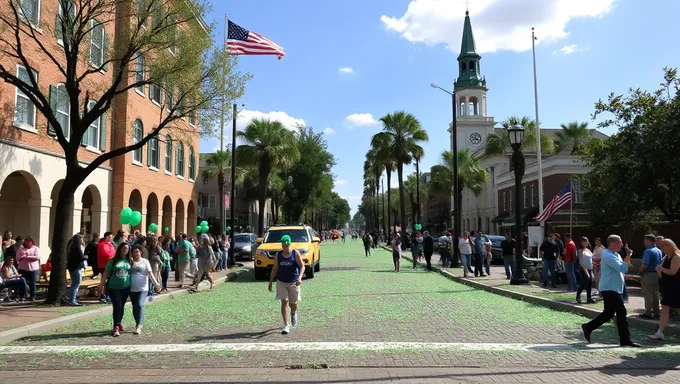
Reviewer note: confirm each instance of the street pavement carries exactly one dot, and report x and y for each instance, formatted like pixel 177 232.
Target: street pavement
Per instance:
pixel 233 334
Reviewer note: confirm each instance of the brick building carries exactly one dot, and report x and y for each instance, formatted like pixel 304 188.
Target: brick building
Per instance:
pixel 157 180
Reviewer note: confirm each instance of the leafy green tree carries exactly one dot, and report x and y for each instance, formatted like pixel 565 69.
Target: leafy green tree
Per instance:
pixel 217 167
pixel 574 136
pixel 382 156
pixel 267 145
pixel 200 76
pixel 404 134
pixel 411 185
pixel 636 172
pixel 372 173
pixel 498 144
pixel 471 175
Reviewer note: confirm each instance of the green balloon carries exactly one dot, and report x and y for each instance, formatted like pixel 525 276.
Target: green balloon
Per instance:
pixel 205 228
pixel 153 227
pixel 198 229
pixel 204 223
pixel 136 218
pixel 125 215
pixel 228 229
pixel 166 230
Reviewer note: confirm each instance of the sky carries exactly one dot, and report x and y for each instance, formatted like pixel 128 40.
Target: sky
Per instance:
pixel 350 62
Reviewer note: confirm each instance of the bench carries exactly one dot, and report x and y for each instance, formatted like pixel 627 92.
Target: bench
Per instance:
pixel 90 285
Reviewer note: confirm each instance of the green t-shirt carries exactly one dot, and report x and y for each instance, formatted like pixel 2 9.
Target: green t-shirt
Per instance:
pixel 119 274
pixel 190 252
pixel 165 258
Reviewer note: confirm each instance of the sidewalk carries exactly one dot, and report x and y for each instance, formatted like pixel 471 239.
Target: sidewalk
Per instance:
pixel 14 315
pixel 497 282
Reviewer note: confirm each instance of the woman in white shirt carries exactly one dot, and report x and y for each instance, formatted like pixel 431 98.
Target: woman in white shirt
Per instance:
pixel 465 246
pixel 585 258
pixel 140 273
pixel 597 257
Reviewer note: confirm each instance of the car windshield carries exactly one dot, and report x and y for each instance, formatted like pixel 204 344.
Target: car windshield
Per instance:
pixel 242 238
pixel 296 235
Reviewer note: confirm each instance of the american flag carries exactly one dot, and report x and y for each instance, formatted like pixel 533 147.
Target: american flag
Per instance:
pixel 562 198
pixel 241 41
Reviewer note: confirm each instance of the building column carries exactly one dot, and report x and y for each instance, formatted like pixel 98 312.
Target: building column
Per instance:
pixel 77 218
pixel 40 225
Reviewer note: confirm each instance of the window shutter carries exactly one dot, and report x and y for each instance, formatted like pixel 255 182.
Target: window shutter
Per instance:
pixel 54 99
pixel 92 48
pixel 102 133
pixel 57 27
pixel 148 152
pixel 86 137
pixel 105 57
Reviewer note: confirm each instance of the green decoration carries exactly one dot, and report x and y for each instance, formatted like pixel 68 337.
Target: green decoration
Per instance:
pixel 153 227
pixel 228 229
pixel 125 215
pixel 418 227
pixel 205 228
pixel 198 229
pixel 136 218
pixel 285 240
pixel 204 223
pixel 166 230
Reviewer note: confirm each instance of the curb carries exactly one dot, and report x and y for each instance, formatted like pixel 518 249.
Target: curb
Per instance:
pixel 671 329
pixel 49 325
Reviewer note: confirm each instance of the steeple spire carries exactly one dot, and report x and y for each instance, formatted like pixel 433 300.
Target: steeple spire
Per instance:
pixel 468 60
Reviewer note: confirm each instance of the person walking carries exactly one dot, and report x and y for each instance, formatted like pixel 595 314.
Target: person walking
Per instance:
pixel 75 259
pixel 465 248
pixel 417 248
pixel 106 250
pixel 569 259
pixel 479 244
pixel 585 257
pixel 508 248
pixel 166 263
pixel 91 253
pixel 444 245
pixel 140 274
pixel 116 280
pixel 597 258
pixel 428 249
pixel 367 243
pixel 669 272
pixel 396 251
pixel 206 259
pixel 649 277
pixel 288 271
pixel 613 269
pixel 549 251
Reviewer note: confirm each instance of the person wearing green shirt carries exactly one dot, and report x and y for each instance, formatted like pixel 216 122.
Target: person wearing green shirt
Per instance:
pixel 183 259
pixel 166 260
pixel 116 279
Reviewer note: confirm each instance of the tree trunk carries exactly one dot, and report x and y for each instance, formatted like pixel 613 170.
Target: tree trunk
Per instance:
pixel 60 237
pixel 223 219
pixel 389 204
pixel 377 210
pixel 262 198
pixel 402 202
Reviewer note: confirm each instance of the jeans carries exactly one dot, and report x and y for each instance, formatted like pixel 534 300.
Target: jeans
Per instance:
pixel 445 257
pixel 613 305
pixel 586 282
pixel 118 299
pixel 479 264
pixel 487 265
pixel 571 277
pixel 467 262
pixel 137 299
pixel 428 259
pixel 509 264
pixel 165 274
pixel 76 279
pixel 549 268
pixel 624 295
pixel 18 283
pixel 31 279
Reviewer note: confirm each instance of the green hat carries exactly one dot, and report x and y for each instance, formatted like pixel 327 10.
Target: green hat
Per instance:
pixel 285 240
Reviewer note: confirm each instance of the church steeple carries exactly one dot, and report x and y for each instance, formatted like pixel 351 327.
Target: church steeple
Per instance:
pixel 468 60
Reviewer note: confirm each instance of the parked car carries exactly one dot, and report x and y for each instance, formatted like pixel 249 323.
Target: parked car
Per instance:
pixel 496 251
pixel 244 246
pixel 303 240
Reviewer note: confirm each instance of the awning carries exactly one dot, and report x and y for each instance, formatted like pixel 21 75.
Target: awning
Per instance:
pixel 501 217
pixel 527 214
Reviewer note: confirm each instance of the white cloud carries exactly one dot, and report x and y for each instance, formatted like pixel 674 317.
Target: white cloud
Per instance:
pixel 497 24
pixel 571 48
pixel 246 116
pixel 351 198
pixel 360 120
pixel 346 70
pixel 340 182
pixel 329 131
pixel 394 182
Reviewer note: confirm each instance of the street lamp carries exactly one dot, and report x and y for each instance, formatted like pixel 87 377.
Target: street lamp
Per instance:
pixel 454 148
pixel 516 136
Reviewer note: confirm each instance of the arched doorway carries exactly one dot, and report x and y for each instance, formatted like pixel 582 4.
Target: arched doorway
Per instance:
pixel 20 205
pixel 135 203
pixel 167 216
pixel 90 219
pixel 54 195
pixel 151 211
pixel 180 221
pixel 192 219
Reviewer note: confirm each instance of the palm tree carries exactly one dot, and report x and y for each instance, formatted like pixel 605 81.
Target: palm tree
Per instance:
pixel 383 156
pixel 372 173
pixel 498 144
pixel 267 145
pixel 471 175
pixel 403 133
pixel 218 166
pixel 574 135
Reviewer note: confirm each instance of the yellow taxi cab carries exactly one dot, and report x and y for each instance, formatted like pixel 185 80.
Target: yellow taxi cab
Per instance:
pixel 303 239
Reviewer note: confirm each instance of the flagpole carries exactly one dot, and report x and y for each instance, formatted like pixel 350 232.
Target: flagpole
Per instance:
pixel 571 209
pixel 226 26
pixel 538 133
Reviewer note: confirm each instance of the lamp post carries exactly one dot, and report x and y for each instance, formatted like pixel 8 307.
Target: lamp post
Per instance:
pixel 516 136
pixel 454 149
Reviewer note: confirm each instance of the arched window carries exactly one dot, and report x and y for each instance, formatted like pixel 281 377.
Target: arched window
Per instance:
pixel 192 164
pixel 462 106
pixel 168 154
pixel 138 133
pixel 153 154
pixel 473 106
pixel 472 66
pixel 93 132
pixel 179 160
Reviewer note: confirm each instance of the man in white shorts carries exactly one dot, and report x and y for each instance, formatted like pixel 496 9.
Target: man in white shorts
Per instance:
pixel 288 271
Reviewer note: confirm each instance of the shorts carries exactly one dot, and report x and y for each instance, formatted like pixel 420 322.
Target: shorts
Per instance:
pixel 287 292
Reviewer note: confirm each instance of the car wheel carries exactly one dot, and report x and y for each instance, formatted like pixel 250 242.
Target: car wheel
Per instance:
pixel 309 272
pixel 317 267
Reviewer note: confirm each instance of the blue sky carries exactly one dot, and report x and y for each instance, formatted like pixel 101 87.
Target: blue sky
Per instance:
pixel 396 48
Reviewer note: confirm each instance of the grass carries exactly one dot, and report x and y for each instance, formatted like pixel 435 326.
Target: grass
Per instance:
pixel 353 298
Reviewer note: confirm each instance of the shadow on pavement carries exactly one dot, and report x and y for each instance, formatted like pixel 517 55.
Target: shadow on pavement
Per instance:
pixel 82 335
pixel 234 336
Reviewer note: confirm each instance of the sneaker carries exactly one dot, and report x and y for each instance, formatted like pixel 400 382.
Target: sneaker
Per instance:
pixel 630 344
pixel 121 328
pixel 138 330
pixel 585 333
pixel 103 301
pixel 657 336
pixel 285 330
pixel 293 319
pixel 116 331
pixel 591 301
pixel 75 304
